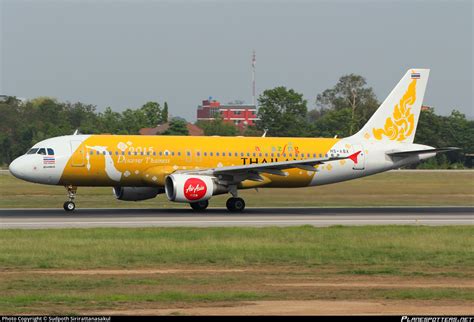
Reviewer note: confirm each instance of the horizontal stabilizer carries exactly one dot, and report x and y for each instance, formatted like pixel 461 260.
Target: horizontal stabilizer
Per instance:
pixel 413 152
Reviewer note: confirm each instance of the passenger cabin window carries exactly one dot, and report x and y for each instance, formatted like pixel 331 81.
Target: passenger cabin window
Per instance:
pixel 42 151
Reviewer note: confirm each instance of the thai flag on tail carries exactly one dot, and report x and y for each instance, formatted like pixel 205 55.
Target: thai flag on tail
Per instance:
pixel 415 75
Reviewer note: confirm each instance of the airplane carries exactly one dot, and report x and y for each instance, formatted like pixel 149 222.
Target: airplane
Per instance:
pixel 194 169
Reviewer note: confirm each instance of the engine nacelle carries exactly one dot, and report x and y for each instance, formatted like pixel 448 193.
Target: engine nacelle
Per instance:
pixel 136 193
pixel 191 188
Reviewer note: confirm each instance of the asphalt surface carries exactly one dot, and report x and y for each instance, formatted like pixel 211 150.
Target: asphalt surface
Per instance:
pixel 218 217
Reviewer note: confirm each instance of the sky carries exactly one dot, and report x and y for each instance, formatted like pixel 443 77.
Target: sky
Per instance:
pixel 125 53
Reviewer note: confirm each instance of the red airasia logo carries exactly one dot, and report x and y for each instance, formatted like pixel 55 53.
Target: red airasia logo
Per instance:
pixel 194 189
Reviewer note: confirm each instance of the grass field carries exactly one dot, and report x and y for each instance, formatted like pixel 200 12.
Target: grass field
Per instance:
pixel 367 270
pixel 388 189
pixel 77 271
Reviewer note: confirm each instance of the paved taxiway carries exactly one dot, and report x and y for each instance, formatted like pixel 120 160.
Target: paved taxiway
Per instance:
pixel 218 217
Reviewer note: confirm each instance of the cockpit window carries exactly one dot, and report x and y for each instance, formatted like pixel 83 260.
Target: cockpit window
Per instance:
pixel 50 151
pixel 32 151
pixel 42 151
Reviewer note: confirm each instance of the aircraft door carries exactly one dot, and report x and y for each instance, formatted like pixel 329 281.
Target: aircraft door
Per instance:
pixel 77 154
pixel 360 165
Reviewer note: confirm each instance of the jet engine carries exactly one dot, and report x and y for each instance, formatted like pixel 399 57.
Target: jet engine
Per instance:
pixel 192 188
pixel 136 193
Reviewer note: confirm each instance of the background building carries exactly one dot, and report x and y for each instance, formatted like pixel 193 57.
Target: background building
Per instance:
pixel 241 115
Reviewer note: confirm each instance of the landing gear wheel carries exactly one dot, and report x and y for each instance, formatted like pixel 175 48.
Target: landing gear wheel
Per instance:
pixel 235 204
pixel 200 205
pixel 71 193
pixel 69 206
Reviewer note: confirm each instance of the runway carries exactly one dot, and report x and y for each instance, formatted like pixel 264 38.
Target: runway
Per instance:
pixel 219 217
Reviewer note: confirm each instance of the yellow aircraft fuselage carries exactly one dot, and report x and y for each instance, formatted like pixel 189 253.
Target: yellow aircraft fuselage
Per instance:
pixel 126 160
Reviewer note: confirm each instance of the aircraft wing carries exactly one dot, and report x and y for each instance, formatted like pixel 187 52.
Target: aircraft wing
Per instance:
pixel 252 171
pixel 414 152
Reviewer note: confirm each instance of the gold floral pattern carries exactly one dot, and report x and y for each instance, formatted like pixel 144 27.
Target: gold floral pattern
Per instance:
pixel 402 123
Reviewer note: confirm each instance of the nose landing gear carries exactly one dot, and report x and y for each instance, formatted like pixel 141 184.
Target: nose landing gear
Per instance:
pixel 71 193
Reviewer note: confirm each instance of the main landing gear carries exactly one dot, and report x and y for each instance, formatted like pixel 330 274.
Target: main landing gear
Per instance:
pixel 235 204
pixel 71 193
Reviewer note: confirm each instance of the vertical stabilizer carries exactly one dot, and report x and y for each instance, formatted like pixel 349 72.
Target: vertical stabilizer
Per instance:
pixel 396 119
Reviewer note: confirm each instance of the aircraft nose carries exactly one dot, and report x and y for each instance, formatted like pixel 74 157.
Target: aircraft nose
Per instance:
pixel 14 167
pixel 17 168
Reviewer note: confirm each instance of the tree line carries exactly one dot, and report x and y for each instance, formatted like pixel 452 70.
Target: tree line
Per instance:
pixel 341 110
pixel 23 124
